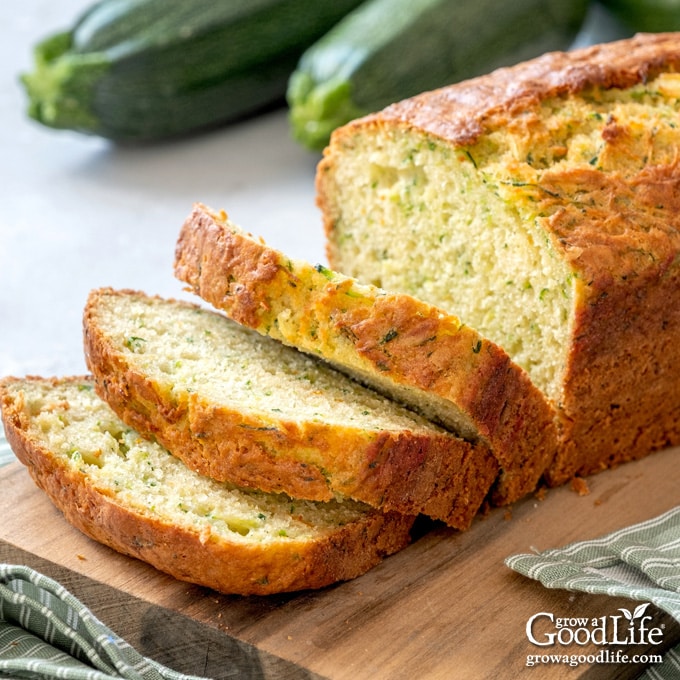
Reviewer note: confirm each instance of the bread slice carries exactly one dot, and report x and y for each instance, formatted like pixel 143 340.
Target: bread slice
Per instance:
pixel 541 204
pixel 242 408
pixel 395 343
pixel 132 495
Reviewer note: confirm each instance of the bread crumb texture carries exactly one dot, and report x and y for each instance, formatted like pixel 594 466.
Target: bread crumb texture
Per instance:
pixel 185 349
pixel 243 408
pixel 397 344
pixel 87 436
pixel 132 495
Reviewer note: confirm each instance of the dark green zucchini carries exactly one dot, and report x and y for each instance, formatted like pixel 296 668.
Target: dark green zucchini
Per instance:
pixel 388 50
pixel 650 16
pixel 151 69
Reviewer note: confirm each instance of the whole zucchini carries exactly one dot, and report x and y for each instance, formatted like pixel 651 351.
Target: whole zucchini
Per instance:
pixel 388 50
pixel 150 69
pixel 652 16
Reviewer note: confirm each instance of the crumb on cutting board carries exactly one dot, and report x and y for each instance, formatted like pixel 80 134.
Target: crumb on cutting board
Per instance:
pixel 580 485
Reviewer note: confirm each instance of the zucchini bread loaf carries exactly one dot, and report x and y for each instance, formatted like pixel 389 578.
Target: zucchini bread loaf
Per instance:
pixel 541 205
pixel 405 348
pixel 134 496
pixel 246 409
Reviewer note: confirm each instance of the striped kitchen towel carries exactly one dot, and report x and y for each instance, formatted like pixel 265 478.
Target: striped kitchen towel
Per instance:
pixel 640 562
pixel 45 633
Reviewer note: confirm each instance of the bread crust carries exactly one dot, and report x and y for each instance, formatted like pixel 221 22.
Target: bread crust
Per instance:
pixel 621 238
pixel 377 336
pixel 232 568
pixel 406 472
pixel 463 112
pixel 620 398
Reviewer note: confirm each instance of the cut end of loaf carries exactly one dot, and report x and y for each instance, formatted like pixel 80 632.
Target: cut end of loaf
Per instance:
pixel 407 213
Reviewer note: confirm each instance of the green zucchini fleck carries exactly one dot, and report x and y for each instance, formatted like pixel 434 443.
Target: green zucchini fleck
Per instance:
pixel 134 343
pixel 328 273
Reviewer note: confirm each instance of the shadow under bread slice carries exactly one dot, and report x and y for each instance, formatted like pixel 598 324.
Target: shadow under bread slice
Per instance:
pixel 132 495
pixel 397 344
pixel 243 408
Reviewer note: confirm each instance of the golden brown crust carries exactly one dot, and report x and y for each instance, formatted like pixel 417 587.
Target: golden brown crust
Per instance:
pixel 218 564
pixel 378 336
pixel 461 113
pixel 406 472
pixel 623 240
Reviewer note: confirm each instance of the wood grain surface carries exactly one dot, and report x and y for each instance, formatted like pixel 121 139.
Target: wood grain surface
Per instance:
pixel 446 607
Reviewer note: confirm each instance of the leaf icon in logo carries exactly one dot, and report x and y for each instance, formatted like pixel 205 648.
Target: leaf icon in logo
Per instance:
pixel 640 610
pixel 637 613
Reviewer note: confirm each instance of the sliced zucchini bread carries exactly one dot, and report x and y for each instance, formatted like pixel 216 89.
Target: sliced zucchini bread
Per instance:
pixel 402 347
pixel 243 408
pixel 132 495
pixel 541 204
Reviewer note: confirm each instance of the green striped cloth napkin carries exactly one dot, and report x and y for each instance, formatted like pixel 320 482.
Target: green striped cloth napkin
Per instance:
pixel 640 562
pixel 45 633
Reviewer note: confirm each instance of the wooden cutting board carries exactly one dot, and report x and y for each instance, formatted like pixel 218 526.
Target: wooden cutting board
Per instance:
pixel 446 607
